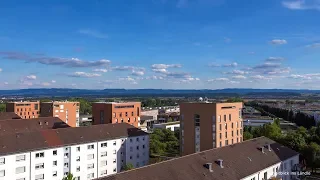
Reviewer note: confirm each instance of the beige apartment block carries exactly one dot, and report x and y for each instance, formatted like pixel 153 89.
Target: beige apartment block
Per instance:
pixel 206 125
pixel 24 109
pixel 65 110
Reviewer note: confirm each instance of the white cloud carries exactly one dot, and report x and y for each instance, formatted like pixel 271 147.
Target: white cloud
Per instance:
pixel 314 45
pixel 259 77
pixel 305 76
pixel 56 61
pixel 93 33
pixel 274 59
pixel 160 70
pixel 165 66
pixel 137 73
pixel 218 79
pixel 238 72
pixel 100 70
pixel 302 4
pixel 53 81
pixel 239 77
pixel 45 84
pixel 155 78
pixel 0 70
pixel 30 77
pixel 5 83
pixel 278 41
pixel 234 64
pixel 84 74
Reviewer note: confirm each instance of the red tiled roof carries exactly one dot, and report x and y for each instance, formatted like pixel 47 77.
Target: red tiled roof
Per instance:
pixel 8 115
pixel 26 125
pixel 11 143
pixel 239 160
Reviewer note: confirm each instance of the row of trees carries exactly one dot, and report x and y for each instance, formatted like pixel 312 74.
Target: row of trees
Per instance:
pixel 301 119
pixel 304 141
pixel 157 102
pixel 2 107
pixel 164 142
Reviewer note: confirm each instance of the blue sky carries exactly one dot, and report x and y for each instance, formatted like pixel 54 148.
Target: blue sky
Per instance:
pixel 178 44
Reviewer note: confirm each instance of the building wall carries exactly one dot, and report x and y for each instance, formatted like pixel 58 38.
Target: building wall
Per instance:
pixel 26 110
pixel 121 156
pixel 153 113
pixel 207 134
pixel 284 166
pixel 171 127
pixel 66 111
pixel 116 113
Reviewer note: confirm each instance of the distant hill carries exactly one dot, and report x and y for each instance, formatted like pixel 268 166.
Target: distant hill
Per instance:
pixel 57 92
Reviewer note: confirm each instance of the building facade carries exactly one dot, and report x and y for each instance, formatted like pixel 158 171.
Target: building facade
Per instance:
pixel 89 156
pixel 113 112
pixel 65 110
pixel 209 125
pixel 172 126
pixel 255 159
pixel 24 109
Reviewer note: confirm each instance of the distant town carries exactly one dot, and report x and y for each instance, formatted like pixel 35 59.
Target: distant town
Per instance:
pixel 145 137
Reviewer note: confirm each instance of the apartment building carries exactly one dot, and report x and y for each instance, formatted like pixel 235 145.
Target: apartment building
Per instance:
pixel 86 152
pixel 24 109
pixel 65 110
pixel 207 125
pixel 116 112
pixel 255 159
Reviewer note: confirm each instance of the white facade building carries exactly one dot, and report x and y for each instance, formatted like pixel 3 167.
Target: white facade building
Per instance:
pixel 172 126
pixel 98 157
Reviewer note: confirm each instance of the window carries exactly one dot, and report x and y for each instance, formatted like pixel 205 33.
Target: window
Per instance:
pixel 291 163
pixel 55 152
pixel 265 175
pixel 78 169
pixel 197 120
pixel 138 156
pixel 66 155
pixel 128 119
pixel 104 144
pixel 101 117
pixel 220 135
pixel 21 179
pixel 232 133
pixel 229 117
pixel 220 127
pixel 143 138
pixel 103 154
pixel 226 126
pixel 104 172
pixel 137 139
pixel 90 166
pixel 39 177
pixel 130 157
pixel 115 170
pixel 130 140
pixel 114 161
pixel 91 175
pixel 20 170
pixel 226 143
pixel 104 163
pixel 91 146
pixel 137 147
pixel 126 113
pixel 114 151
pixel 55 174
pixel 39 166
pixel 143 146
pixel 237 132
pixel 225 118
pixel 2 173
pixel 114 114
pixel 90 156
pixel 220 144
pixel 240 114
pixel 226 134
pixel 55 163
pixel 115 143
pixel 219 118
pixel 20 158
pixel 131 149
pixel 253 178
pixel 40 155
pixel 66 165
pixel 66 173
pixel 78 149
pixel 78 158
pixel 232 125
pixel 231 141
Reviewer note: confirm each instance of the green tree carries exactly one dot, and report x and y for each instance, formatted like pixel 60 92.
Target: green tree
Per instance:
pixel 247 135
pixel 128 167
pixel 235 99
pixel 311 153
pixel 69 177
pixel 170 119
pixel 164 142
pixel 277 122
pixel 2 107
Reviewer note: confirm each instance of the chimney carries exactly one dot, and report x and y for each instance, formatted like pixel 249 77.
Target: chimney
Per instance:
pixel 209 166
pixel 269 147
pixel 262 149
pixel 220 162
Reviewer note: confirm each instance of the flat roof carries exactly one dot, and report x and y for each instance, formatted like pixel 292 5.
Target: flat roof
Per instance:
pixel 239 161
pixel 169 123
pixel 44 139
